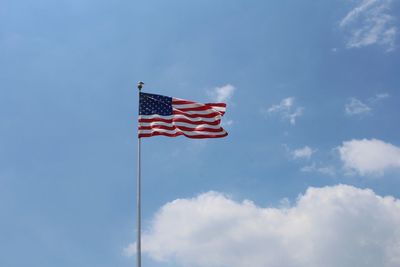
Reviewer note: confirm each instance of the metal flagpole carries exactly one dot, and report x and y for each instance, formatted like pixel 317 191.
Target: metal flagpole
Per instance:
pixel 138 196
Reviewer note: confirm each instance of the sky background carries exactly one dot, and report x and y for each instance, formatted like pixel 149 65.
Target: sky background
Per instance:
pixel 308 176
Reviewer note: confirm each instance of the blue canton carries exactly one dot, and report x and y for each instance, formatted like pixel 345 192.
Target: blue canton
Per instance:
pixel 155 104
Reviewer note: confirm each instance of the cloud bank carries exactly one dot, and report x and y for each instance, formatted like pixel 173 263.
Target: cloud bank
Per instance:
pixel 331 226
pixel 369 156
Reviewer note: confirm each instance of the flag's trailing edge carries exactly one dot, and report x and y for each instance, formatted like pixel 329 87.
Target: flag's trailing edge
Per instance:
pixel 170 116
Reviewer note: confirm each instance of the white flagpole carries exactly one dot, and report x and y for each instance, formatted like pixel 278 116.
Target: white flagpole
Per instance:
pixel 138 196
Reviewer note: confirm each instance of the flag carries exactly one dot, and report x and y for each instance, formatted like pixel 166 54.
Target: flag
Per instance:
pixel 170 116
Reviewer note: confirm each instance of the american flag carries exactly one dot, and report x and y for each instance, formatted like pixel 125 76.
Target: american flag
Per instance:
pixel 170 116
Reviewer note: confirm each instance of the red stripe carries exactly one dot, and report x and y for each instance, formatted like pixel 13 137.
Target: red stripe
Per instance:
pixel 200 136
pixel 185 102
pixel 183 128
pixel 210 115
pixel 216 122
pixel 182 102
pixel 222 105
pixel 196 108
pixel 203 108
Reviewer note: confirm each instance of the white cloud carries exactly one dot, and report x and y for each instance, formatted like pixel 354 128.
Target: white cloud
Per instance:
pixel 305 152
pixel 369 156
pixel 378 97
pixel 326 170
pixel 222 94
pixel 297 113
pixel 356 107
pixel 285 105
pixel 382 96
pixel 370 23
pixel 331 226
pixel 286 108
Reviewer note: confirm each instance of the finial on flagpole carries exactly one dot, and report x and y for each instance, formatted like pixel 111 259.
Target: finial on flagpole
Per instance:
pixel 140 85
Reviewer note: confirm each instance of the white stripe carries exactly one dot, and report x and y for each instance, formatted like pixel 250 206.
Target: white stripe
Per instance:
pixel 179 116
pixel 191 133
pixel 178 124
pixel 199 112
pixel 178 106
pixel 180 99
pixel 196 105
pixel 219 109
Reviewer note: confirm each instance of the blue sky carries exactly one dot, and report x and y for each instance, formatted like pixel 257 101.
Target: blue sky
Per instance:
pixel 313 146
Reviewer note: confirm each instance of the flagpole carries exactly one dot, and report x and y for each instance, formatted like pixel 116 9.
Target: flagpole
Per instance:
pixel 138 195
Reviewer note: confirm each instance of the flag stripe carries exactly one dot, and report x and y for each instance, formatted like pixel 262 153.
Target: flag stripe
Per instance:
pixel 178 124
pixel 178 101
pixel 173 133
pixel 222 105
pixel 181 118
pixel 194 108
pixel 207 111
pixel 200 136
pixel 193 114
pixel 180 128
pixel 219 110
